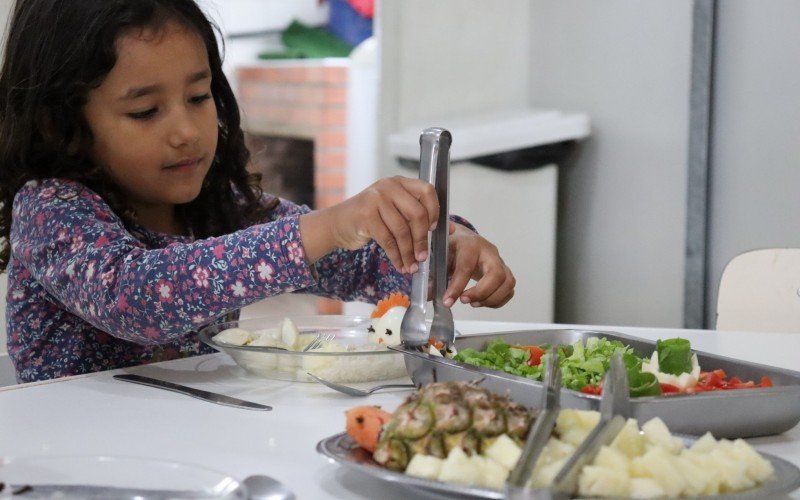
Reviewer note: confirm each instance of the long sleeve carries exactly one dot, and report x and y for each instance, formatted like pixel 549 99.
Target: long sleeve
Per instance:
pixel 71 243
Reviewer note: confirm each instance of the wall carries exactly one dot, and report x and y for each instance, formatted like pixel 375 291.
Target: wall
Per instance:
pixel 756 133
pixel 453 58
pixel 623 193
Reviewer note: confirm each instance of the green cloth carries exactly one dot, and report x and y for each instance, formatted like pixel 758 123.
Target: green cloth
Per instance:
pixel 303 41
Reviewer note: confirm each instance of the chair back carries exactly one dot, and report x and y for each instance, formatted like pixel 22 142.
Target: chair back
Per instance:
pixel 760 291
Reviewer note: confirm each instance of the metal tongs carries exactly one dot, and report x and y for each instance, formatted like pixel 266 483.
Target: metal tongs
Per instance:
pixel 434 162
pixel 539 433
pixel 614 412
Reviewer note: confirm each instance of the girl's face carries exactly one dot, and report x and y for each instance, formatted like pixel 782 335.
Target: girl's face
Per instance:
pixel 154 121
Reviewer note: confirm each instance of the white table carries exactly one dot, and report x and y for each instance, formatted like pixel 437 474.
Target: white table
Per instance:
pixel 94 414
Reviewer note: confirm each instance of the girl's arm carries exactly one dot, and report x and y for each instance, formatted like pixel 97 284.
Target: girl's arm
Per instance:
pixel 78 249
pixel 365 274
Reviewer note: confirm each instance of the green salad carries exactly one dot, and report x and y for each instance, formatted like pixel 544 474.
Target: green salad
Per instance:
pixel 582 365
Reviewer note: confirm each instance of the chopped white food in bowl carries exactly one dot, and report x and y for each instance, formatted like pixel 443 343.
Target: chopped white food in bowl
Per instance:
pixel 272 347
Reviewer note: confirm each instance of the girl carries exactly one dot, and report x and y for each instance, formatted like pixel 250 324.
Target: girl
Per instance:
pixel 130 218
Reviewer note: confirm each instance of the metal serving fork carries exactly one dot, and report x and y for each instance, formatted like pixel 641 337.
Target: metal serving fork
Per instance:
pixel 433 168
pixel 318 340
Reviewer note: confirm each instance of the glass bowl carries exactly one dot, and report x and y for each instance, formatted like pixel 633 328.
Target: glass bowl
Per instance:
pixel 372 363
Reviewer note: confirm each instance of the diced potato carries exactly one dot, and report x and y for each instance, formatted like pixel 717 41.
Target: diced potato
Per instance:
pixel 699 480
pixel 645 487
pixel 458 468
pixel 574 425
pixel 602 481
pixel 555 450
pixel 705 444
pixel 630 440
pixel 493 475
pixel 701 460
pixel 425 466
pixel 732 472
pixel 612 459
pixel 658 464
pixel 543 474
pixel 504 451
pixel 758 468
pixel 657 434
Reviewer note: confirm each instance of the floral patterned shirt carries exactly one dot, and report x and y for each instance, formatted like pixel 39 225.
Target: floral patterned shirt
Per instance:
pixel 86 293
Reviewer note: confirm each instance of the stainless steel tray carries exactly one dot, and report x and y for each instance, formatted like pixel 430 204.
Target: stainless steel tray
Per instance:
pixel 726 414
pixel 341 449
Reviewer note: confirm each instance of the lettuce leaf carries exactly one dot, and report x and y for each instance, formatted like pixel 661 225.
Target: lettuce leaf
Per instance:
pixel 674 356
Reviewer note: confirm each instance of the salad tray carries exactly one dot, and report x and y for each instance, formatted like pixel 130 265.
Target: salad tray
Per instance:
pixel 341 449
pixel 725 413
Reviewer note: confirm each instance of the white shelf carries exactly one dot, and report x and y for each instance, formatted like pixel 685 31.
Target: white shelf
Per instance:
pixel 480 135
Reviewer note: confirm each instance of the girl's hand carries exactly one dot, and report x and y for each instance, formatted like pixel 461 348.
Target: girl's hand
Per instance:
pixel 474 257
pixel 396 212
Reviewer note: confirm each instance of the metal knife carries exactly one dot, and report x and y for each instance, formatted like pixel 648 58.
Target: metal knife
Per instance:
pixel 92 492
pixel 195 393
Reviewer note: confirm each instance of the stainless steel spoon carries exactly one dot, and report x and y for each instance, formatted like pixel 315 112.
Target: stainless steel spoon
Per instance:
pixel 266 488
pixel 352 391
pixel 255 487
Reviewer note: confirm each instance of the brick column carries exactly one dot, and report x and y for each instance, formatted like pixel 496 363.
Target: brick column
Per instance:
pixel 307 100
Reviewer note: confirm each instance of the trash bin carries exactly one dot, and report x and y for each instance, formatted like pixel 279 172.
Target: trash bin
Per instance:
pixel 504 179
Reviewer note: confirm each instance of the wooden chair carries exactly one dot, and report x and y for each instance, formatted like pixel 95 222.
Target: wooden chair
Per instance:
pixel 760 291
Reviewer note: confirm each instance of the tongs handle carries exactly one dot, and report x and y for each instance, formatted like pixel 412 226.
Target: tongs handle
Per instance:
pixel 434 169
pixel 540 431
pixel 614 410
pixel 436 143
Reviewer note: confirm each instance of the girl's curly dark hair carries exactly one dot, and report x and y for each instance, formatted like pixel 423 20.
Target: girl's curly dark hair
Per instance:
pixel 59 50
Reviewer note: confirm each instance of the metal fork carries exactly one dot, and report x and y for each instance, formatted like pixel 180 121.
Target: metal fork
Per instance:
pixel 318 340
pixel 352 391
pixel 434 169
